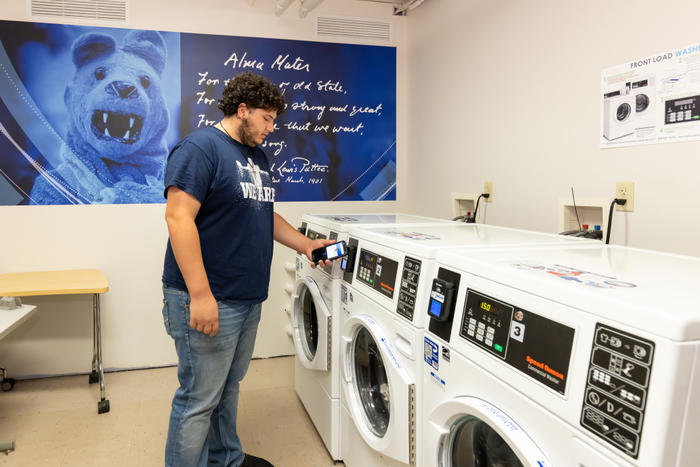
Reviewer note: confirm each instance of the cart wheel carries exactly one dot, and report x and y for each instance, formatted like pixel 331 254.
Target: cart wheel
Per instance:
pixel 8 384
pixel 94 377
pixel 103 406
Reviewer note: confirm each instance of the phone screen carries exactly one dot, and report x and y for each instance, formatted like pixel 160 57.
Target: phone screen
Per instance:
pixel 329 252
pixel 335 250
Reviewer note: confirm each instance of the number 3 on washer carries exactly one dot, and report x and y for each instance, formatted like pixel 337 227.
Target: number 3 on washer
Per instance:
pixel 517 331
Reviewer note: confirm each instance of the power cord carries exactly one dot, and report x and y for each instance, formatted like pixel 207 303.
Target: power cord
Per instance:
pixel 615 201
pixel 472 219
pixel 573 198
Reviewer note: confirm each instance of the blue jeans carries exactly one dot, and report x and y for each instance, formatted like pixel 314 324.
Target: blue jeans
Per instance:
pixel 202 428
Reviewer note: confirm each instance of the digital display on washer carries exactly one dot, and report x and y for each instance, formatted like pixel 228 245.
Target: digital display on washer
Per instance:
pixel 485 322
pixel 492 307
pixel 378 272
pixel 532 344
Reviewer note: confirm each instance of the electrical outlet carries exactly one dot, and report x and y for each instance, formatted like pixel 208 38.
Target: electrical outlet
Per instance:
pixel 488 188
pixel 625 190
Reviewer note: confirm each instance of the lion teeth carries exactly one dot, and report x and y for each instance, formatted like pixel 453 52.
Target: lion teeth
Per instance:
pixel 107 132
pixel 104 117
pixel 131 122
pixel 126 135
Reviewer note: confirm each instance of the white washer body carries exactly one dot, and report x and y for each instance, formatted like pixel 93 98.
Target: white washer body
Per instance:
pixel 316 371
pixel 381 415
pixel 391 275
pixel 598 364
pixel 317 377
pixel 618 116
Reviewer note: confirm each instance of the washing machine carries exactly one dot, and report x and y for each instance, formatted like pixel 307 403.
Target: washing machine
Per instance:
pixel 618 116
pixel 382 327
pixel 563 356
pixel 315 323
pixel 644 92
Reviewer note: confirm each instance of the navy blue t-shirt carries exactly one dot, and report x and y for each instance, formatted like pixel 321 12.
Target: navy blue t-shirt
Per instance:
pixel 235 221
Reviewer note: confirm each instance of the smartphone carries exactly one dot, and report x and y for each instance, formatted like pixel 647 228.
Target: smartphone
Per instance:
pixel 329 252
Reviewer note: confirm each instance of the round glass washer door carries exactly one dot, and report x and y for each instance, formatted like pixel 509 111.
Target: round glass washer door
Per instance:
pixel 472 442
pixel 306 318
pixel 371 382
pixel 475 433
pixel 308 321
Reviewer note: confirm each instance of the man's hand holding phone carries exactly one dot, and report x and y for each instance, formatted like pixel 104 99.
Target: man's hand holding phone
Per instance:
pixel 322 252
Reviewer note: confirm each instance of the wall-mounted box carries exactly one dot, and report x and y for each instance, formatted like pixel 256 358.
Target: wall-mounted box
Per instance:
pixel 464 203
pixel 591 211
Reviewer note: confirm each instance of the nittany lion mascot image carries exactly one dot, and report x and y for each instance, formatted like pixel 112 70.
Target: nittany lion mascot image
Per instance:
pixel 115 148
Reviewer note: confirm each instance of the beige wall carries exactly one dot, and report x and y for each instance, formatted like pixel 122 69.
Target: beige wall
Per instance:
pixel 503 91
pixel 509 92
pixel 127 242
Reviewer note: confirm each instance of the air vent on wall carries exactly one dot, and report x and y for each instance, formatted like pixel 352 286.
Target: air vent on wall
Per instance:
pixel 111 10
pixel 353 27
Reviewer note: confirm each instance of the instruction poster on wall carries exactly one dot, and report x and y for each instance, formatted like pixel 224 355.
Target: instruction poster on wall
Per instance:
pixel 88 115
pixel 654 99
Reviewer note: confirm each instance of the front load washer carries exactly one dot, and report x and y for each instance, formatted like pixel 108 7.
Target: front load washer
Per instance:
pixel 563 356
pixel 315 366
pixel 378 404
pixel 618 116
pixel 315 322
pixel 388 286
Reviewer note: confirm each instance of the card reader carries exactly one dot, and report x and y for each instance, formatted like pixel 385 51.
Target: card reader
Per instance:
pixel 441 298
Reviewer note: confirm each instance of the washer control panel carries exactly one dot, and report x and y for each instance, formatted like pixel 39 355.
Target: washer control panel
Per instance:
pixel 617 388
pixel 409 287
pixel 378 272
pixel 532 344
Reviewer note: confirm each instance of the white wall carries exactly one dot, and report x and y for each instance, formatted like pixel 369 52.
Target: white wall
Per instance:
pixel 127 242
pixel 509 92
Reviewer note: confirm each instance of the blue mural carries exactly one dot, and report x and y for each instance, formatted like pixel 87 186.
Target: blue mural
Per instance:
pixel 88 115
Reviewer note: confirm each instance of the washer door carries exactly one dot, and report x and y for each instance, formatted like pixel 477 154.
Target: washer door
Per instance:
pixel 472 432
pixel 311 321
pixel 376 388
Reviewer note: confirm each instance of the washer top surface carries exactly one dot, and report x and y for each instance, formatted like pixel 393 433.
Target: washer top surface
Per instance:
pixel 342 222
pixel 427 240
pixel 654 291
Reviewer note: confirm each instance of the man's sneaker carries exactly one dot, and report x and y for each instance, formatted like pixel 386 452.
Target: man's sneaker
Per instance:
pixel 252 461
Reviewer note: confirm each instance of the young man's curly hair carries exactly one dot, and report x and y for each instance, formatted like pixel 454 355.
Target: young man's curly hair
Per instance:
pixel 254 91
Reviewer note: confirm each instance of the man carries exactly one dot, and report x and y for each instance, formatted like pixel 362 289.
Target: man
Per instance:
pixel 217 267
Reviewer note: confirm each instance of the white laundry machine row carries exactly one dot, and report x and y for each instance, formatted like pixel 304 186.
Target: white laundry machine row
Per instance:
pixel 315 322
pixel 563 356
pixel 384 302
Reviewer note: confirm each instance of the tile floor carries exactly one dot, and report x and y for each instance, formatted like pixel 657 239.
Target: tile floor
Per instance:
pixel 54 421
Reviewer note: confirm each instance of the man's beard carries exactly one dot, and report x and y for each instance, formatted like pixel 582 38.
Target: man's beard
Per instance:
pixel 245 135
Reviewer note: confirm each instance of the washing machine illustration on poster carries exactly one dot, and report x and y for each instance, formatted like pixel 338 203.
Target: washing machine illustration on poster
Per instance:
pixel 618 115
pixel 644 92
